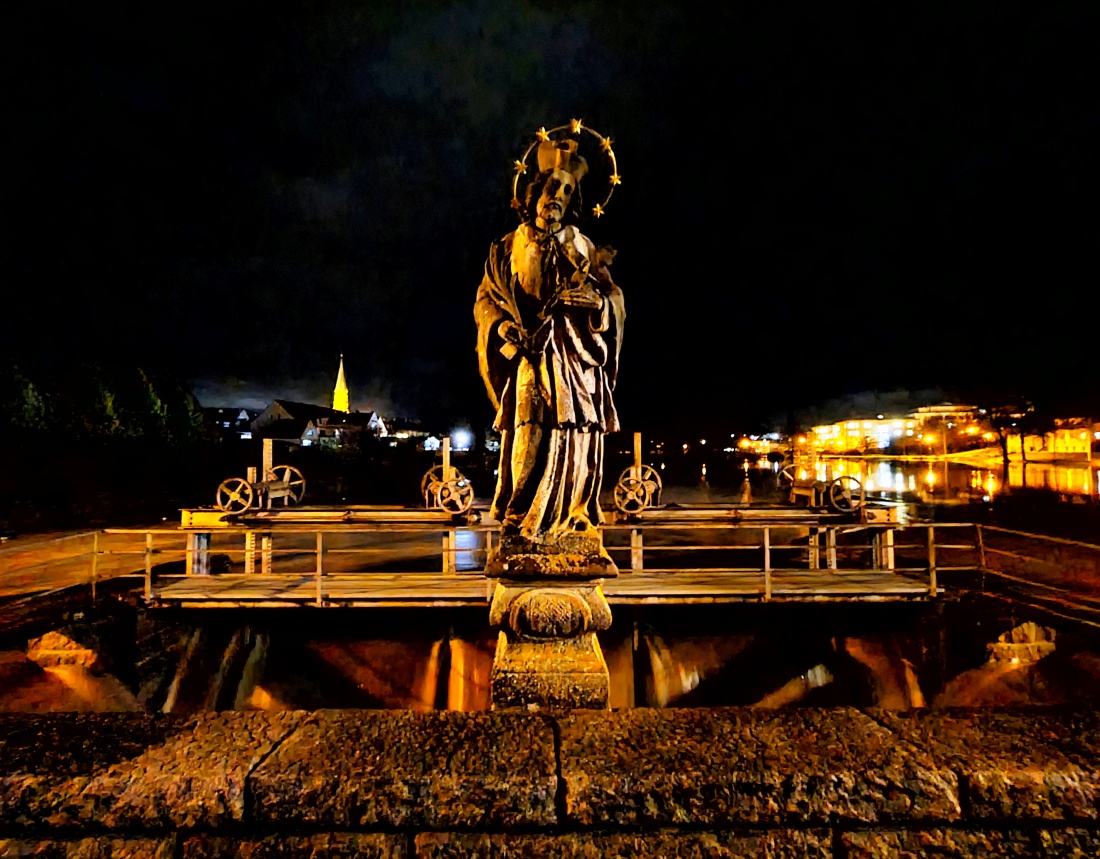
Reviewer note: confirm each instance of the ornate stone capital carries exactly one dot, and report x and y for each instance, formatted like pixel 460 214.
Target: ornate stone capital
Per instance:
pixel 547 610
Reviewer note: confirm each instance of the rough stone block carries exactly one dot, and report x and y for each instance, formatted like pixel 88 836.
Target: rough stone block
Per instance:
pixel 1014 765
pixel 133 770
pixel 958 843
pixel 1067 843
pixel 557 674
pixel 971 844
pixel 101 847
pixel 746 766
pixel 666 844
pixel 328 844
pixel 365 768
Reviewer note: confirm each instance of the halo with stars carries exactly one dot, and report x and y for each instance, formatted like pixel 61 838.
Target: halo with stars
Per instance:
pixel 570 129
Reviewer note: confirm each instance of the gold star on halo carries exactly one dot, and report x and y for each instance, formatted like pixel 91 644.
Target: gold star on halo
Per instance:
pixel 616 179
pixel 543 135
pixel 521 168
pixel 575 126
pixel 605 144
pixel 597 210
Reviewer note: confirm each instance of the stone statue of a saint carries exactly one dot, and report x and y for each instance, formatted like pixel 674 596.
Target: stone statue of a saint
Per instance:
pixel 550 324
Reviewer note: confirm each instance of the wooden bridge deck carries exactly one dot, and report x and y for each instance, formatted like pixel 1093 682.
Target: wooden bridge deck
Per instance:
pixel 650 587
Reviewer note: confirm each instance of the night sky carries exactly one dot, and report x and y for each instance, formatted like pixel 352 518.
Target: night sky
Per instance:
pixel 815 203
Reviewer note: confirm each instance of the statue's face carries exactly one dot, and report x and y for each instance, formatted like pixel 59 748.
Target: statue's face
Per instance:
pixel 556 194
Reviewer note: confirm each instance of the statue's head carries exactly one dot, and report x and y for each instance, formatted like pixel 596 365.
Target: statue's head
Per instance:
pixel 555 192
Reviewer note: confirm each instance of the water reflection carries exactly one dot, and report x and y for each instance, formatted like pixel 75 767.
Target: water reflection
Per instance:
pixel 974 651
pixel 957 481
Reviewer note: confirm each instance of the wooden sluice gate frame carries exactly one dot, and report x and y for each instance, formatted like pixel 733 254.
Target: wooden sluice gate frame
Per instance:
pixel 818 567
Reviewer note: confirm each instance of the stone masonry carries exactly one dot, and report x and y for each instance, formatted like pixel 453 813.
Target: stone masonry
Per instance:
pixel 635 783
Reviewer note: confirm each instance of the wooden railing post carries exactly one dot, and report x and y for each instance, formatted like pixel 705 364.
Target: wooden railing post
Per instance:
pixel 815 548
pixel 320 566
pixel 830 547
pixel 888 549
pixel 249 552
pixel 767 564
pixel 932 560
pixel 148 566
pixel 95 562
pixel 450 563
pixel 636 557
pixel 981 553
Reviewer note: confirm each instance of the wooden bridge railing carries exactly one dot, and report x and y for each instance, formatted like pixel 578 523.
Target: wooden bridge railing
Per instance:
pixel 95 556
pixel 319 550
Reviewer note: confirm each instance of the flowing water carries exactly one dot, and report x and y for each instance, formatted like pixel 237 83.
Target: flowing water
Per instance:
pixel 890 655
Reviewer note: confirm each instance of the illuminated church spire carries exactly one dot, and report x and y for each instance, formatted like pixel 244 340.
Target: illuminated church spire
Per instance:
pixel 340 393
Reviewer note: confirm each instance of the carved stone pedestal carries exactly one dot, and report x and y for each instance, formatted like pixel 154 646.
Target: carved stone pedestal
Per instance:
pixel 555 674
pixel 547 653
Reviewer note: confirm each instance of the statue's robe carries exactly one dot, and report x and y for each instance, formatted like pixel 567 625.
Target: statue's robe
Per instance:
pixel 553 395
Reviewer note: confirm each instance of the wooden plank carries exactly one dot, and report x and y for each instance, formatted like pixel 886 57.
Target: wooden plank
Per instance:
pixel 641 586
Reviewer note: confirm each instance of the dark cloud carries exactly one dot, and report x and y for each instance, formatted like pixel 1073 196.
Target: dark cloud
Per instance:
pixel 814 202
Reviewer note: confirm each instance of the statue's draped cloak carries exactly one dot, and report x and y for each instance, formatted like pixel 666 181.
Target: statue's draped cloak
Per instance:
pixel 553 397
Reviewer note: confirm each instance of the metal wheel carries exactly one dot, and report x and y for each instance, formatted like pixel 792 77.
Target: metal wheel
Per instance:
pixel 432 478
pixel 638 489
pixel 235 495
pixel 455 496
pixel 631 495
pixel 431 487
pixel 295 482
pixel 653 485
pixel 844 494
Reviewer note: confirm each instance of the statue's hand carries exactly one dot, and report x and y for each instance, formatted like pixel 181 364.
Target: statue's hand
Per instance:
pixel 582 296
pixel 511 333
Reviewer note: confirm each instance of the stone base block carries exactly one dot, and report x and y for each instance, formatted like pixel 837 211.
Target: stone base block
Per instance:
pixel 552 674
pixel 565 556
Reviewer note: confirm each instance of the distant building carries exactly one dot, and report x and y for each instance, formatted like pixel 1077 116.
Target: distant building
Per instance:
pixel 310 425
pixel 287 419
pixel 923 430
pixel 1071 439
pixel 409 431
pixel 229 423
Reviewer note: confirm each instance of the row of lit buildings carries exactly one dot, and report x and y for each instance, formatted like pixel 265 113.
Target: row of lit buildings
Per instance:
pixel 948 428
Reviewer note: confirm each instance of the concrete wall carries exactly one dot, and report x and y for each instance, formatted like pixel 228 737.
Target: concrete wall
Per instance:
pixel 730 782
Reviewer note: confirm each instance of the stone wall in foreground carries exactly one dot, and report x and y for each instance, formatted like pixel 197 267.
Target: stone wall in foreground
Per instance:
pixel 638 783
